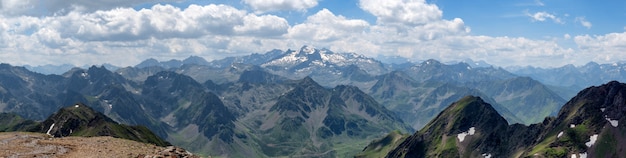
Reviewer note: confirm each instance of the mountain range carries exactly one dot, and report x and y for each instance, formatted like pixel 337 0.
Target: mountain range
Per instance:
pixel 586 126
pixel 301 103
pixel 570 79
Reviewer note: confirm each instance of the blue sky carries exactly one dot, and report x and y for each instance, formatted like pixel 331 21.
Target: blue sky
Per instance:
pixel 504 33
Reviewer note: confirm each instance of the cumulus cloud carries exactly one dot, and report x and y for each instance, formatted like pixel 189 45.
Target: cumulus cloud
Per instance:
pixel 608 47
pixel 160 21
pixel 410 28
pixel 265 25
pixel 280 5
pixel 162 30
pixel 543 16
pixel 62 7
pixel 326 26
pixel 584 22
pixel 406 12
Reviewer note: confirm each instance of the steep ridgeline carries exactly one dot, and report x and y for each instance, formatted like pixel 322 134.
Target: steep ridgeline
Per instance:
pixel 308 120
pixel 81 120
pixel 418 102
pixel 587 126
pixel 467 128
pixel 196 118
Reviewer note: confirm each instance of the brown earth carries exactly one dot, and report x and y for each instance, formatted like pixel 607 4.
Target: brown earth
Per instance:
pixel 23 144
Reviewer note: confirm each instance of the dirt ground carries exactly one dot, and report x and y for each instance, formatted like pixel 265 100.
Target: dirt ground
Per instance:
pixel 22 144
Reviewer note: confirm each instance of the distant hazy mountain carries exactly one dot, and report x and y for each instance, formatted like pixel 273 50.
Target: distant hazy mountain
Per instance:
pixel 252 59
pixel 418 93
pixel 480 63
pixel 528 99
pixel 418 102
pixel 50 69
pixel 191 60
pixel 571 79
pixel 455 73
pixel 587 126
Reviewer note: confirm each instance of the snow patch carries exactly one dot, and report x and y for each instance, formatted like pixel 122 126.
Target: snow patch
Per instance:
pixel 461 136
pixel 583 155
pixel 574 156
pixel 50 129
pixel 487 155
pixel 110 106
pixel 602 109
pixel 76 106
pixel 614 123
pixel 592 140
pixel 84 74
pixel 559 135
pixel 572 125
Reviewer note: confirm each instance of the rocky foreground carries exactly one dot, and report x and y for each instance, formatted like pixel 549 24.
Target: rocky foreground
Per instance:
pixel 23 144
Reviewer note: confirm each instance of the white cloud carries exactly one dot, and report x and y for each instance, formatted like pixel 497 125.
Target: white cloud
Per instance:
pixel 126 36
pixel 543 16
pixel 409 28
pixel 265 25
pixel 281 5
pixel 404 12
pixel 326 26
pixel 584 22
pixel 160 21
pixel 62 7
pixel 603 48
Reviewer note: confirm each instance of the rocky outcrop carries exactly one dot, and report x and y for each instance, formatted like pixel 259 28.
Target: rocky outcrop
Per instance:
pixel 170 152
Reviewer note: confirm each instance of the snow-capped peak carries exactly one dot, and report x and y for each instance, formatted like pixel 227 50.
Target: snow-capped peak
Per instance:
pixel 308 50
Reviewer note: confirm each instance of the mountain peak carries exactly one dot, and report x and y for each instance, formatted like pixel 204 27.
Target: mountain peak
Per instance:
pixel 599 103
pixel 196 60
pixel 82 120
pixel 470 111
pixel 308 81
